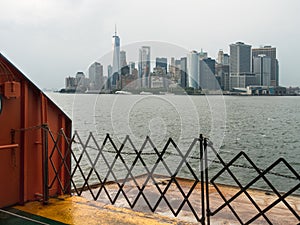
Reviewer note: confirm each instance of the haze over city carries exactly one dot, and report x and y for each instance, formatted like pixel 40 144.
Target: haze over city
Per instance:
pixel 49 40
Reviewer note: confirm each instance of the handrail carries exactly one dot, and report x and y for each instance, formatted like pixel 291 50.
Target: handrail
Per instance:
pixel 9 146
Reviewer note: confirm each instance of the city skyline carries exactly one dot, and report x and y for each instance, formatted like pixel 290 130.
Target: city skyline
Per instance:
pixel 254 70
pixel 57 38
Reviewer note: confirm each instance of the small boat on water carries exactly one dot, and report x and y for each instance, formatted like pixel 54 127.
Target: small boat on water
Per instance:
pixel 123 93
pixel 166 93
pixel 146 93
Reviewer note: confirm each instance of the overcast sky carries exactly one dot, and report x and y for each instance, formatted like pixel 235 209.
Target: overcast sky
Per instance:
pixel 51 39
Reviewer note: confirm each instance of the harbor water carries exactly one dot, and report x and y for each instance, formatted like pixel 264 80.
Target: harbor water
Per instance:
pixel 264 127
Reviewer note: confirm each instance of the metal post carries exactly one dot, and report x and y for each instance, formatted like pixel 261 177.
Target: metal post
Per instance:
pixel 45 164
pixel 202 180
pixel 206 182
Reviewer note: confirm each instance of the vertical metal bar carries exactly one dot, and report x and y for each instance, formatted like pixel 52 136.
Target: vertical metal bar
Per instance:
pixel 45 164
pixel 206 182
pixel 202 180
pixel 23 143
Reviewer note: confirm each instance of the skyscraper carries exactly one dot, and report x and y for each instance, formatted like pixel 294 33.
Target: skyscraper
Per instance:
pixel 123 61
pixel 262 66
pixel 240 66
pixel 207 78
pixel 96 76
pixel 223 58
pixel 116 60
pixel 220 56
pixel 161 63
pixel 240 58
pixel 183 77
pixel 193 69
pixel 144 66
pixel 269 51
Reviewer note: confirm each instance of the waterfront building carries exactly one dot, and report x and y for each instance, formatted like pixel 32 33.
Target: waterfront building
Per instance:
pixel 262 66
pixel 207 79
pixel 240 66
pixel 96 76
pixel 193 69
pixel 82 82
pixel 242 80
pixel 222 71
pixel 183 72
pixel 157 82
pixel 240 58
pixel 144 66
pixel 116 60
pixel 70 83
pixel 269 51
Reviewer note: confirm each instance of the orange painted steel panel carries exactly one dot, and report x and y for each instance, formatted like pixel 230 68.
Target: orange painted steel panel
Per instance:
pixel 21 167
pixel 9 159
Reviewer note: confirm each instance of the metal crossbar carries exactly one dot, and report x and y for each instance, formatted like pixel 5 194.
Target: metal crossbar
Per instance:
pixel 243 189
pixel 129 175
pixel 88 166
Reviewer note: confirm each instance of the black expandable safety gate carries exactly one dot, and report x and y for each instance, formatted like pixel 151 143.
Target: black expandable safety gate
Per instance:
pixel 93 152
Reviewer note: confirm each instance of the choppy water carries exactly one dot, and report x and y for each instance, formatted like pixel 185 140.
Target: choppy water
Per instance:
pixel 266 128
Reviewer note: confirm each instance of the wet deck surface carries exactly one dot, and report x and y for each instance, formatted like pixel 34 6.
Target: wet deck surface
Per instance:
pixel 84 210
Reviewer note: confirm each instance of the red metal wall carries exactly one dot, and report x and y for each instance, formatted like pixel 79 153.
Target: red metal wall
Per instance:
pixel 21 176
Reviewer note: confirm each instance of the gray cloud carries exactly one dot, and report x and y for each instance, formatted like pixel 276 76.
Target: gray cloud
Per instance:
pixel 52 39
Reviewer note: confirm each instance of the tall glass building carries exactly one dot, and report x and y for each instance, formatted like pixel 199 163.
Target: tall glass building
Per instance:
pixel 269 51
pixel 240 59
pixel 144 66
pixel 193 69
pixel 116 60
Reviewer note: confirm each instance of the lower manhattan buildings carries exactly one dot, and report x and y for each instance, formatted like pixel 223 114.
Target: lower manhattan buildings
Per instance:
pixel 243 69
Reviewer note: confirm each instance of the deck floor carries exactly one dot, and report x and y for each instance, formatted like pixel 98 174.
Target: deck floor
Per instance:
pixel 84 210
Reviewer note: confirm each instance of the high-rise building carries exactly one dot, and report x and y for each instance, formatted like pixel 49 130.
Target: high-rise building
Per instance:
pixel 183 73
pixel 161 63
pixel 70 83
pixel 123 61
pixel 116 60
pixel 81 81
pixel 220 56
pixel 193 69
pixel 240 58
pixel 223 58
pixel 207 78
pixel 144 66
pixel 226 59
pixel 222 71
pixel 131 67
pixel 269 51
pixel 172 66
pixel 109 77
pixel 240 66
pixel 262 67
pixel 96 76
